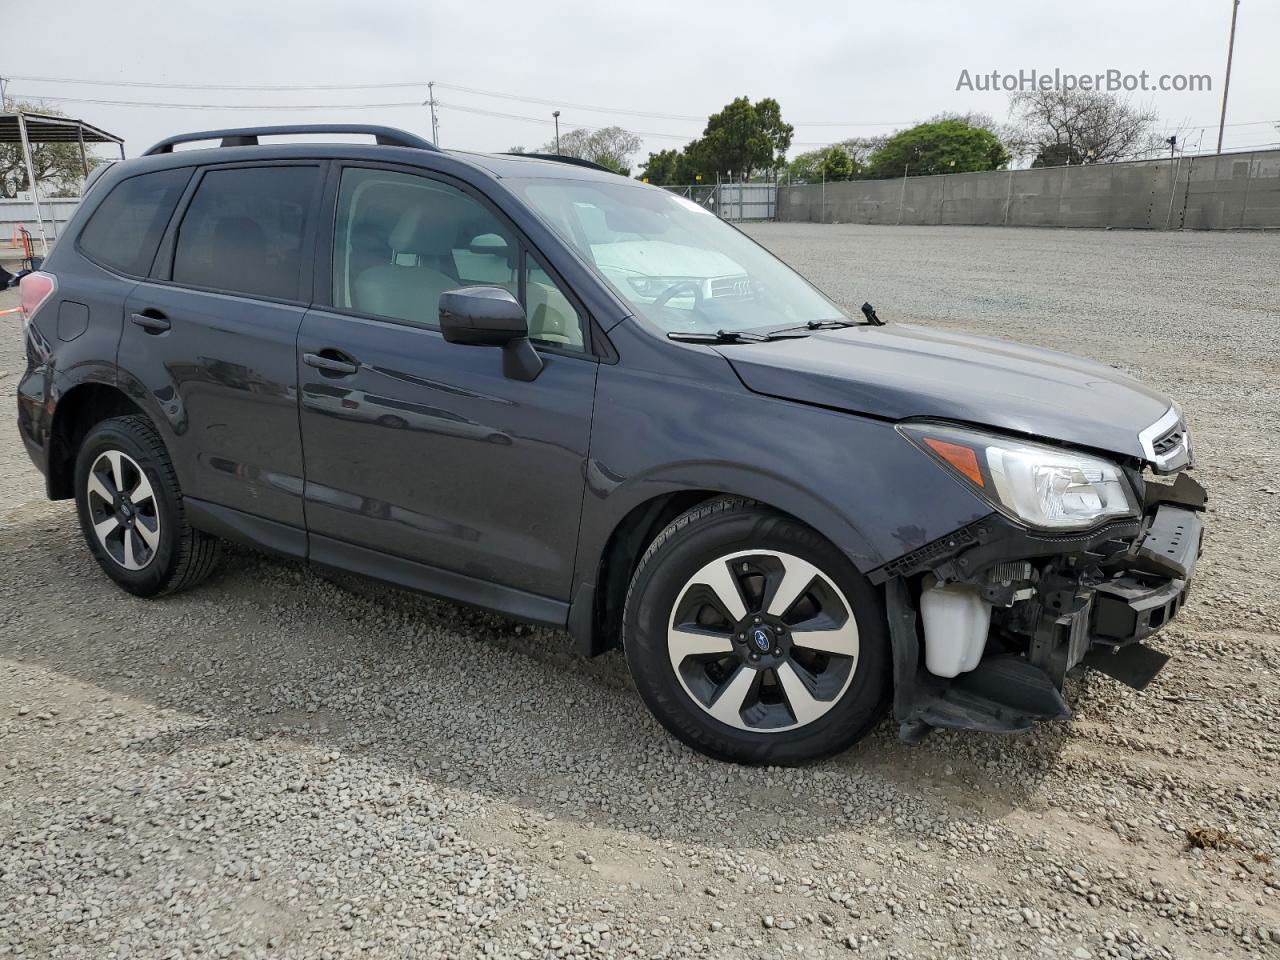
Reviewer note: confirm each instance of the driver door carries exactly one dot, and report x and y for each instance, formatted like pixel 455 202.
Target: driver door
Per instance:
pixel 424 463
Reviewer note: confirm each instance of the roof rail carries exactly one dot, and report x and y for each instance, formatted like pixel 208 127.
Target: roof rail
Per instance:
pixel 248 136
pixel 561 158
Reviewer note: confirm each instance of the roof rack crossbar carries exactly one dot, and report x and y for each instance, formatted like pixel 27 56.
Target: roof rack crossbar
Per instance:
pixel 248 136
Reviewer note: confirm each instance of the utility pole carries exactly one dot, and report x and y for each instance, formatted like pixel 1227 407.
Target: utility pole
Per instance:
pixel 431 102
pixel 1226 84
pixel 556 115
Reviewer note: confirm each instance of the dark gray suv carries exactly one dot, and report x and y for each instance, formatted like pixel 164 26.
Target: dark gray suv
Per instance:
pixel 544 389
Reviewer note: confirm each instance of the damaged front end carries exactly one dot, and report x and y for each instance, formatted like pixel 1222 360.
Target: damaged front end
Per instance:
pixel 987 621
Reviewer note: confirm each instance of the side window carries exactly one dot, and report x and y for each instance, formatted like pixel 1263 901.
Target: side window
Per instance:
pixel 125 230
pixel 243 231
pixel 400 241
pixel 553 319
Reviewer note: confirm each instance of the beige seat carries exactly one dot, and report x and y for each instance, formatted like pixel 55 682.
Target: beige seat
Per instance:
pixel 552 318
pixel 412 291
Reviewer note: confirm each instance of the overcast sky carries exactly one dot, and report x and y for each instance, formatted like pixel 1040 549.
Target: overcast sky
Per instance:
pixel 870 67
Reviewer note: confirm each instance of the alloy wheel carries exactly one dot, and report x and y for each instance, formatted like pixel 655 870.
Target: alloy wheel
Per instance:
pixel 763 641
pixel 123 510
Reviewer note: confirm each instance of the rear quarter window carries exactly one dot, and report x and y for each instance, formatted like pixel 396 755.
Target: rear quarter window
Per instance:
pixel 125 229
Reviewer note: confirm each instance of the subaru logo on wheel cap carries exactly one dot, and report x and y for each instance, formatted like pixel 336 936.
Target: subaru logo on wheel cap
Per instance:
pixel 760 637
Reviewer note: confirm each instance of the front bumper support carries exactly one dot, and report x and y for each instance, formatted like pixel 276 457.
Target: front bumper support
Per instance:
pixel 1090 601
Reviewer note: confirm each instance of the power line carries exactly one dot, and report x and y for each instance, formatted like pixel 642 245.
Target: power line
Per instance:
pixel 408 84
pixel 229 106
pixel 161 85
pixel 402 84
pixel 402 104
pixel 396 104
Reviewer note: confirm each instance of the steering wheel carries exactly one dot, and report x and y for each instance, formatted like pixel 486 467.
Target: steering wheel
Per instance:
pixel 666 295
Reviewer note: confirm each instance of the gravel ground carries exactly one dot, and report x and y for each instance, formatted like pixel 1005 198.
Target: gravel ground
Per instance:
pixel 280 765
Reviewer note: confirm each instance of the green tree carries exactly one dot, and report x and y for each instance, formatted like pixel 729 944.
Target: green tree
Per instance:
pixel 943 146
pixel 744 138
pixel 1057 155
pixel 835 162
pixel 661 167
pixel 57 165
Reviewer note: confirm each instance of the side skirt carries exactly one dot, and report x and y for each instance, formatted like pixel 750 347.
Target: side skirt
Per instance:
pixel 444 584
pixel 288 541
pixel 229 524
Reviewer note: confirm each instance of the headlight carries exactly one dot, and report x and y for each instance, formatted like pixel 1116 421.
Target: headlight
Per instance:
pixel 1042 486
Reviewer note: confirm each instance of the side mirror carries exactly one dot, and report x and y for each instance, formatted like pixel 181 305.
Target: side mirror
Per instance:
pixel 491 317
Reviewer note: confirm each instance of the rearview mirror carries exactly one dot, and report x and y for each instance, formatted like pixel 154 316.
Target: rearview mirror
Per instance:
pixel 491 317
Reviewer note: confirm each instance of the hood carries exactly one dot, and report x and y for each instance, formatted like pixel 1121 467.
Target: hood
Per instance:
pixel 902 371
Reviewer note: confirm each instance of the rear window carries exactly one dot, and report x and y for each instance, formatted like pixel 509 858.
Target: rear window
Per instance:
pixel 125 230
pixel 243 231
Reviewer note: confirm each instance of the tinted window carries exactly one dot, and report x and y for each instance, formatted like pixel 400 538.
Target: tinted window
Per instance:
pixel 244 229
pixel 401 241
pixel 125 230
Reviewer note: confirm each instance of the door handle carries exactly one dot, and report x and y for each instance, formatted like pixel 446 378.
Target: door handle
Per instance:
pixel 329 364
pixel 156 323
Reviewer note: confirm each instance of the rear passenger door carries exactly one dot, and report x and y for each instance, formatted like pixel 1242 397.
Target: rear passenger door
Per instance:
pixel 210 339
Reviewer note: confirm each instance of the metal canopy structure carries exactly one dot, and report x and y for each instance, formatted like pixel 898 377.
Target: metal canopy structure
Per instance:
pixel 29 128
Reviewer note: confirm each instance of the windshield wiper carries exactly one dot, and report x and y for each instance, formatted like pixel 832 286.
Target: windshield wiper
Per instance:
pixel 732 336
pixel 839 322
pixel 829 324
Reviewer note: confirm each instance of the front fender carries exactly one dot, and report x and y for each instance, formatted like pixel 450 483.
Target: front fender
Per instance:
pixel 687 423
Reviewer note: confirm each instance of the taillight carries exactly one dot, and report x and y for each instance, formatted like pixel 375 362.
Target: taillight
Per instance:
pixel 35 288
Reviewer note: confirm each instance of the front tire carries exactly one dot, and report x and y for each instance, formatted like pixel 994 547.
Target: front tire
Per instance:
pixel 130 509
pixel 753 639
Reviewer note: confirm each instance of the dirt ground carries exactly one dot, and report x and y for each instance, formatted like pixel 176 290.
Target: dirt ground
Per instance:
pixel 278 765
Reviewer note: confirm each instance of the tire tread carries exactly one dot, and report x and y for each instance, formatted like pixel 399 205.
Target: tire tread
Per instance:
pixel 197 552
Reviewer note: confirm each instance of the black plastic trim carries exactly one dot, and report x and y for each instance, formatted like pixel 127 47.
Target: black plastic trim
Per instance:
pixel 231 524
pixel 248 136
pixel 445 584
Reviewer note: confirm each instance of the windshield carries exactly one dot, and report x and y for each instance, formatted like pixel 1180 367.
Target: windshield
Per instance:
pixel 678 265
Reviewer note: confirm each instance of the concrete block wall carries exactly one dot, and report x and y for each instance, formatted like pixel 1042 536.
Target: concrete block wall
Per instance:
pixel 1227 192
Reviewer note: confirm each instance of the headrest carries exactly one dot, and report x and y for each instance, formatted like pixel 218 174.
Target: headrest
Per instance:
pixel 424 231
pixel 238 232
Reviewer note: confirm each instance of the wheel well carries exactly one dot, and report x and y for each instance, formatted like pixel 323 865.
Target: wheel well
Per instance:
pixel 626 545
pixel 77 413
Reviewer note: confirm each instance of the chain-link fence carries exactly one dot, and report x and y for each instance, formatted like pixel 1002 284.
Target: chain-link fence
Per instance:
pixel 733 201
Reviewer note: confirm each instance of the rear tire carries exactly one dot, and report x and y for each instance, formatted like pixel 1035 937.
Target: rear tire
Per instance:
pixel 130 509
pixel 753 639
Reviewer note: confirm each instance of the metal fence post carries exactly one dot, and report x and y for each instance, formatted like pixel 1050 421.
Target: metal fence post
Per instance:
pixel 1008 197
pixel 1244 206
pixel 31 179
pixel 1173 192
pixel 902 194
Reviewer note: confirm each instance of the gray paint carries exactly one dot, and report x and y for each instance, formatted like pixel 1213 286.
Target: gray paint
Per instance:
pixel 443 474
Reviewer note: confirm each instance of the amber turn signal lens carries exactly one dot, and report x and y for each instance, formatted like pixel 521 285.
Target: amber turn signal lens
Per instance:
pixel 961 457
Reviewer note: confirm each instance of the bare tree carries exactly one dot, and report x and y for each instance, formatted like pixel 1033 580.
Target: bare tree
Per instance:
pixel 1080 126
pixel 611 147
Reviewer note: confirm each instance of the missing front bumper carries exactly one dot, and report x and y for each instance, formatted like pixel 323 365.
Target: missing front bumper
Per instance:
pixel 1092 604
